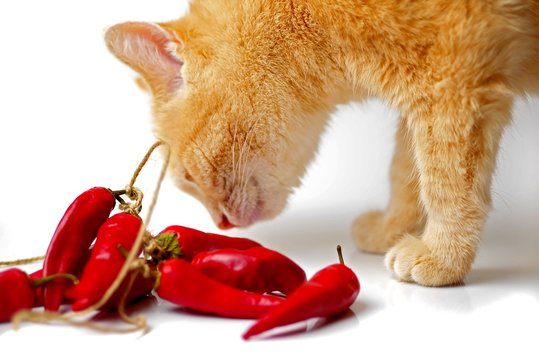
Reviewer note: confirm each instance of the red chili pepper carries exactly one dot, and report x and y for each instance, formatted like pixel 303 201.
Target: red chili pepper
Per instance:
pixel 38 291
pixel 74 234
pixel 106 259
pixel 17 290
pixel 257 269
pixel 141 287
pixel 38 274
pixel 329 292
pixel 15 293
pixel 192 241
pixel 183 284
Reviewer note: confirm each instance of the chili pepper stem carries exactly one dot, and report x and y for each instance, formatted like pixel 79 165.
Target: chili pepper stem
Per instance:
pixel 163 246
pixel 117 193
pixel 339 253
pixel 42 281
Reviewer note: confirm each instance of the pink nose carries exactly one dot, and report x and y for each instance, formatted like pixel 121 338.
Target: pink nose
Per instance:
pixel 225 224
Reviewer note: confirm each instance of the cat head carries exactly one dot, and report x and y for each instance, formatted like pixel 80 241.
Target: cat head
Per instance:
pixel 241 109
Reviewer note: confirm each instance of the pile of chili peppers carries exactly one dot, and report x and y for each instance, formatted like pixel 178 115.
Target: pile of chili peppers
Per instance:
pixel 210 273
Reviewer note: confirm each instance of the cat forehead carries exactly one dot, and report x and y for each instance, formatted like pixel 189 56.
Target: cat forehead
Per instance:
pixel 224 29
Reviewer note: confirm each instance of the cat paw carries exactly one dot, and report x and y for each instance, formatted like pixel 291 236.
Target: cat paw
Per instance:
pixel 367 232
pixel 374 232
pixel 412 261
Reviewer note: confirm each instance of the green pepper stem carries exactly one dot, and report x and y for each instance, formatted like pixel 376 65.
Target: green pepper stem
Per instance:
pixel 116 193
pixel 339 253
pixel 44 280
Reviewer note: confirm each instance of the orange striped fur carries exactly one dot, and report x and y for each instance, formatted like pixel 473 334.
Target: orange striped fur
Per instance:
pixel 242 90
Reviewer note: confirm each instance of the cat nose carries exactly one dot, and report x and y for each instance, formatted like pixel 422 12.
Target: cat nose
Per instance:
pixel 242 208
pixel 225 224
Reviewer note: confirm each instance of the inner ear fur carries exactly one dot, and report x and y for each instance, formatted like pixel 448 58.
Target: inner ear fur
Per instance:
pixel 151 51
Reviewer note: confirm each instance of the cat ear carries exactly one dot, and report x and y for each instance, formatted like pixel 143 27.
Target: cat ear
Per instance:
pixel 151 51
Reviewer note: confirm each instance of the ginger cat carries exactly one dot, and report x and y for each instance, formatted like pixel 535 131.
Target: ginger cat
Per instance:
pixel 242 91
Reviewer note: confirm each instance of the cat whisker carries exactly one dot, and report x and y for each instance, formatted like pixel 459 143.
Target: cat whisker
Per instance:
pixel 234 152
pixel 242 154
pixel 248 177
pixel 244 151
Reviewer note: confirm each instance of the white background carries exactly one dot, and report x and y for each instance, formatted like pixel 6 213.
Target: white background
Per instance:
pixel 71 118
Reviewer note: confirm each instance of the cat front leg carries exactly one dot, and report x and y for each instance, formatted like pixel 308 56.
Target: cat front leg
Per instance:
pixel 377 231
pixel 455 145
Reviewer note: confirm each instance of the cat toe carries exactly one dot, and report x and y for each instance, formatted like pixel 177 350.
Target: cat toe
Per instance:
pixel 402 258
pixel 412 261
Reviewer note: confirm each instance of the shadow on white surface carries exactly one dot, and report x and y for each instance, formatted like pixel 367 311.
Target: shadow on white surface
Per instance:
pixel 526 277
pixel 312 327
pixel 507 261
pixel 346 321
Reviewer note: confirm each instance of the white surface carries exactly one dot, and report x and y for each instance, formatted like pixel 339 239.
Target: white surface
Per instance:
pixel 71 117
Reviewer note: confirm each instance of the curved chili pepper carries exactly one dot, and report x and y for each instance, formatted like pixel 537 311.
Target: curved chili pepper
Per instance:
pixel 329 292
pixel 191 241
pixel 257 269
pixel 106 259
pixel 183 284
pixel 74 234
